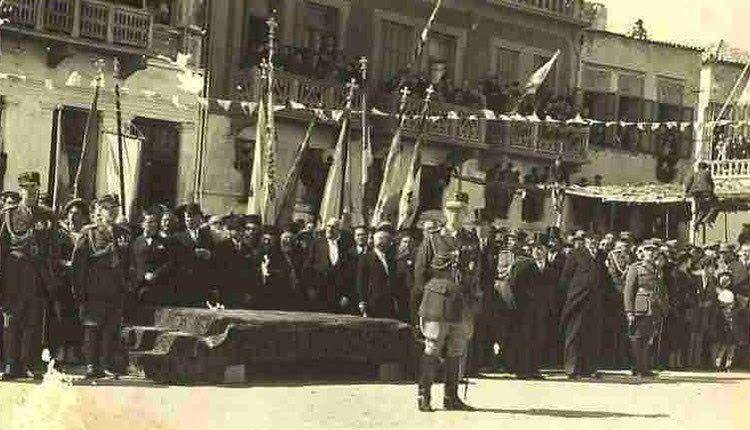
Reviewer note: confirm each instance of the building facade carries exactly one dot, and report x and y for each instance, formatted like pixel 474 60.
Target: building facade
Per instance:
pixel 644 95
pixel 479 44
pixel 48 65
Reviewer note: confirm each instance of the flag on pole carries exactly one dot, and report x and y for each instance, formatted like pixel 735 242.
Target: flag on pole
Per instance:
pixel 394 176
pixel 288 191
pixel 270 185
pixel 409 203
pixel 332 204
pixel 537 79
pixel 426 33
pixel 131 167
pixel 85 179
pixel 61 191
pixel 256 198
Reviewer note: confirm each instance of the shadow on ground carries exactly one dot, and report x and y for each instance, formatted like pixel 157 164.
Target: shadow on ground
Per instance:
pixel 624 379
pixel 565 413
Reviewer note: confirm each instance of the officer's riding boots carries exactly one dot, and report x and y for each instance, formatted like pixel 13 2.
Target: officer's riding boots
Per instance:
pixel 426 377
pixel 450 400
pixel 642 357
pixel 91 352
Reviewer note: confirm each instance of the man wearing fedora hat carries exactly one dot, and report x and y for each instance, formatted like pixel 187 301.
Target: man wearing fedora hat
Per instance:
pixel 26 278
pixel 447 271
pixel 100 272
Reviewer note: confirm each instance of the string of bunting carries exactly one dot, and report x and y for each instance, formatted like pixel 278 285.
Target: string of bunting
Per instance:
pixel 191 82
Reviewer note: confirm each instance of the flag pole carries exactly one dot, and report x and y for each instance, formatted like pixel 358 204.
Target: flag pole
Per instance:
pixel 366 148
pixel 345 207
pixel 269 180
pixel 120 143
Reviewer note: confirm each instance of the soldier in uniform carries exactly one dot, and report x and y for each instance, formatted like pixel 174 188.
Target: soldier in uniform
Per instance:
pixel 26 279
pixel 447 271
pixel 618 261
pixel 100 281
pixel 642 307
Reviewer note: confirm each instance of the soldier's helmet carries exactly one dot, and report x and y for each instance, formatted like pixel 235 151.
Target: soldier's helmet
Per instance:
pixel 28 179
pixel 457 202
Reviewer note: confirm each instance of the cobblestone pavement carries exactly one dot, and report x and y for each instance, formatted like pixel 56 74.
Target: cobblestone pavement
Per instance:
pixel 676 400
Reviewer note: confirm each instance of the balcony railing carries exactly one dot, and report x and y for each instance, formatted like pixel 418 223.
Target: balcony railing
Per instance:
pixel 730 168
pixel 540 138
pixel 86 19
pixel 568 8
pixel 296 88
pixel 447 120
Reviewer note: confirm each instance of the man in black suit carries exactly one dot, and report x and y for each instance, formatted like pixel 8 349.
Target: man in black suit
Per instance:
pixel 584 276
pixel 556 298
pixel 237 274
pixel 197 247
pixel 377 277
pixel 327 269
pixel 153 263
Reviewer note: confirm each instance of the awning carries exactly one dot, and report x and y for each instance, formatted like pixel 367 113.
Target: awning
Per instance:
pixel 650 193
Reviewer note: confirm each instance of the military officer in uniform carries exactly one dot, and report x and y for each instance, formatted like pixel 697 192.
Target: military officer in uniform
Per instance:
pixel 100 267
pixel 642 307
pixel 26 279
pixel 447 271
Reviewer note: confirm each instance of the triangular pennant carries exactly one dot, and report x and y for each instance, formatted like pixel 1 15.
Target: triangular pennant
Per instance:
pixel 277 108
pixel 74 79
pixel 248 108
pixel 296 105
pixel 655 126
pixel 488 114
pixel 225 104
pixel 336 115
pixel 320 114
pixel 641 126
pixel 452 115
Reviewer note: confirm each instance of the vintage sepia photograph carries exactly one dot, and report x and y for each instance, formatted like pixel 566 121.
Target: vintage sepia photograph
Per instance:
pixel 374 214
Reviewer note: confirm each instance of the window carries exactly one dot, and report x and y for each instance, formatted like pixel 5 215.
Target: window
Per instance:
pixel 670 101
pixel 317 25
pixel 432 187
pixel 507 65
pixel 441 48
pixel 398 45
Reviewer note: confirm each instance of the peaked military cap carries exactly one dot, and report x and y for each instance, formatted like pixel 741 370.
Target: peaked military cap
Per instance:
pixel 14 194
pixel 77 203
pixel 108 200
pixel 458 200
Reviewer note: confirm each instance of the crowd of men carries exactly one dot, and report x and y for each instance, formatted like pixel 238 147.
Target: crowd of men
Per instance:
pixel 69 280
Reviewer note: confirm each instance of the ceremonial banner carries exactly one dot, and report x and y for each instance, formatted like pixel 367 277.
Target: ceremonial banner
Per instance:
pixel 61 192
pixel 409 204
pixel 537 79
pixel 270 184
pixel 256 198
pixel 394 177
pixel 289 190
pixel 131 156
pixel 85 179
pixel 331 206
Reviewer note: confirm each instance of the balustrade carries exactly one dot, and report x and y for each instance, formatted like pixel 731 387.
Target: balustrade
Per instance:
pixel 89 19
pixel 540 137
pixel 730 168
pixel 571 8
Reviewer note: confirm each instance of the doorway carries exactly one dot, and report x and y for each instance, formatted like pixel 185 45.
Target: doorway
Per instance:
pixel 159 161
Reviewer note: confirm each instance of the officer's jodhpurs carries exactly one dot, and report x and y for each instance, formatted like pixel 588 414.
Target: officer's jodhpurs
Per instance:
pixel 21 331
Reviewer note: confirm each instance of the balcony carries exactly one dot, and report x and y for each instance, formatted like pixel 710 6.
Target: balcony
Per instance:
pixel 567 9
pixel 540 139
pixel 453 123
pixel 84 20
pixel 730 169
pixel 290 87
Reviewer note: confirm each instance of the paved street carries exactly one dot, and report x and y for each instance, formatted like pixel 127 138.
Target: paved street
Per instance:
pixel 676 400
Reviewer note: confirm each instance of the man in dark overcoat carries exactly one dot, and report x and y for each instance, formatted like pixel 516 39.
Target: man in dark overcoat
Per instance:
pixel 153 263
pixel 196 257
pixel 584 276
pixel 328 269
pixel 376 279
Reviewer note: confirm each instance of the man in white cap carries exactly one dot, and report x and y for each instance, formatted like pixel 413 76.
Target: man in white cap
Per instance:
pixel 447 271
